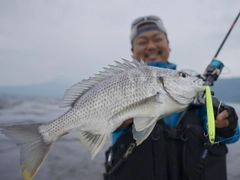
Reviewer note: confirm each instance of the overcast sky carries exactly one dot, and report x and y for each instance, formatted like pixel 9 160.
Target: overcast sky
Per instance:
pixel 68 40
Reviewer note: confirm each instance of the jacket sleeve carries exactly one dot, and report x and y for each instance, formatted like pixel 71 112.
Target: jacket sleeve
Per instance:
pixel 225 135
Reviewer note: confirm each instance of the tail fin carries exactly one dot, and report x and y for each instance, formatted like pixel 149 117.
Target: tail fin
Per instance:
pixel 33 149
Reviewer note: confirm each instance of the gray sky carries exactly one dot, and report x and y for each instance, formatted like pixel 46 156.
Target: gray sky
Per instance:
pixel 68 40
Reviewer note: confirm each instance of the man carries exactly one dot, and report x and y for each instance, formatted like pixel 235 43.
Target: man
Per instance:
pixel 177 148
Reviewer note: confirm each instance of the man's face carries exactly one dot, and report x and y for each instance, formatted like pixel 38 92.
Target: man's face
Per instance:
pixel 150 46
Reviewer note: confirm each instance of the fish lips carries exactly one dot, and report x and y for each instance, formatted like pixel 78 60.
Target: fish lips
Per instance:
pixel 200 83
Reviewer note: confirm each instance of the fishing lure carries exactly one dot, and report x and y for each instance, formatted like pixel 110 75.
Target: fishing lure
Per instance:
pixel 210 115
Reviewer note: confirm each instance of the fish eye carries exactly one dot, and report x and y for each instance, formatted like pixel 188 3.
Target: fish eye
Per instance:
pixel 183 74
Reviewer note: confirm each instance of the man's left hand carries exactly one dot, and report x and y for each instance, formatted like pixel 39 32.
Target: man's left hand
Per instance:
pixel 226 122
pixel 221 119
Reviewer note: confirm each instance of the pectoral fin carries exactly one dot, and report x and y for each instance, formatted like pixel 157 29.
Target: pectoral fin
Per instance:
pixel 142 123
pixel 140 136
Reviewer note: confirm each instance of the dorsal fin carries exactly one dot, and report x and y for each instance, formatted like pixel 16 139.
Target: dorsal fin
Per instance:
pixel 77 90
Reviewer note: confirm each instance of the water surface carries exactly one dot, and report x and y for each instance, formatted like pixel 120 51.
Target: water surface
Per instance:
pixel 67 160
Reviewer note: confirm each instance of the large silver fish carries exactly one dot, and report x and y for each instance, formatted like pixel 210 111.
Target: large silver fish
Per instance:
pixel 99 105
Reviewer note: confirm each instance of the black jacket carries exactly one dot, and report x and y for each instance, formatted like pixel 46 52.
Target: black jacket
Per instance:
pixel 181 153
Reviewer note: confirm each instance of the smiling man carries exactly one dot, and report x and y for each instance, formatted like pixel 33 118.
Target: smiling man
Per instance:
pixel 177 147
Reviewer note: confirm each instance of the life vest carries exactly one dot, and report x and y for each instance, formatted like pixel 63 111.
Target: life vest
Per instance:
pixel 179 153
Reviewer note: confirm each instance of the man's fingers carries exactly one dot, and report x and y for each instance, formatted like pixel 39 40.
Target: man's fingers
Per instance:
pixel 222 116
pixel 222 123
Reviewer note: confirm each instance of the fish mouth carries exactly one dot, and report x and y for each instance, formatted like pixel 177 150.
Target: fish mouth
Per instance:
pixel 206 83
pixel 199 82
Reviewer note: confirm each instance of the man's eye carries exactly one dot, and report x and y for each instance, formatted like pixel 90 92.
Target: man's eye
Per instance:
pixel 157 39
pixel 142 42
pixel 182 74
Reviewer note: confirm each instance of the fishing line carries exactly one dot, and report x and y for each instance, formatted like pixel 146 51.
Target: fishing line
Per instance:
pixel 228 70
pixel 226 139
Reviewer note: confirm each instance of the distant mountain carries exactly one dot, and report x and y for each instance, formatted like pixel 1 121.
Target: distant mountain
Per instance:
pixel 51 89
pixel 227 90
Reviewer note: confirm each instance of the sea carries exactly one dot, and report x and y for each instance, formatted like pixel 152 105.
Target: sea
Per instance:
pixel 68 160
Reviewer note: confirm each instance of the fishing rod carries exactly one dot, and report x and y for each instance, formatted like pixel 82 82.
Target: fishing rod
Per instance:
pixel 211 74
pixel 227 36
pixel 215 67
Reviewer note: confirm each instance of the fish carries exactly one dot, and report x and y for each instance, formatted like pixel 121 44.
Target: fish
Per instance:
pixel 97 106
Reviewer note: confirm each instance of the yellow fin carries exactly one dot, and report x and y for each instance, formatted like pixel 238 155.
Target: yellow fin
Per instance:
pixel 27 175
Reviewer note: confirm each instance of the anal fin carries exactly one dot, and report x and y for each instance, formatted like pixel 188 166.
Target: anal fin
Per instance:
pixel 93 143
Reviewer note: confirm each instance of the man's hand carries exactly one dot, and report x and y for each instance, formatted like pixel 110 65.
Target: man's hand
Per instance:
pixel 221 119
pixel 226 122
